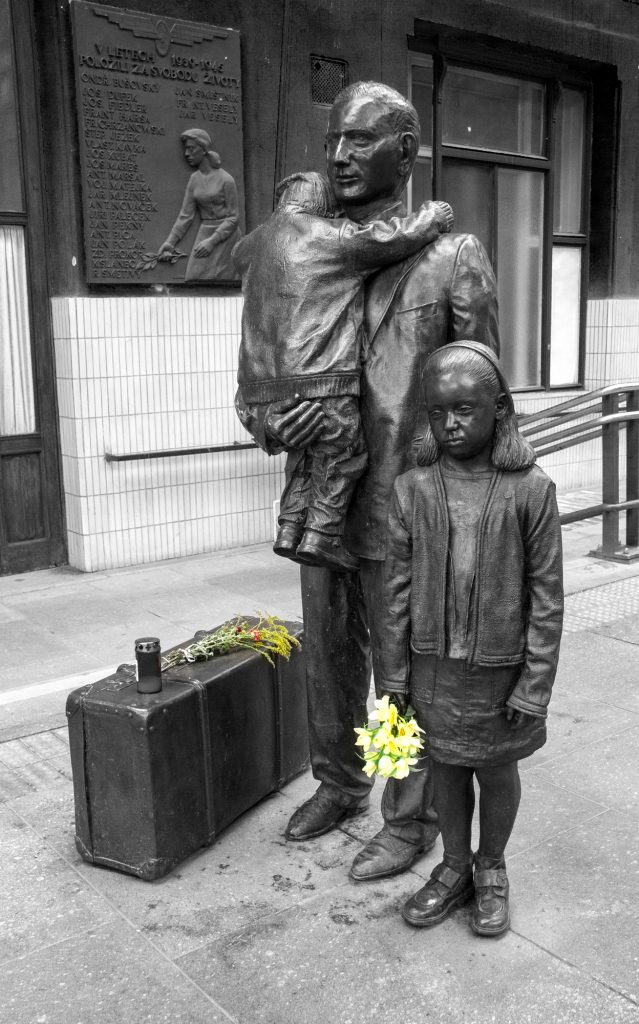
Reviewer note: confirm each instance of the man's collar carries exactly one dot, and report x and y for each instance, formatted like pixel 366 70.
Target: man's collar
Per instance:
pixel 396 209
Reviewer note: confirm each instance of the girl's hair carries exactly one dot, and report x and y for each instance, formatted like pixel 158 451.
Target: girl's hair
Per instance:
pixel 511 451
pixel 203 140
pixel 308 190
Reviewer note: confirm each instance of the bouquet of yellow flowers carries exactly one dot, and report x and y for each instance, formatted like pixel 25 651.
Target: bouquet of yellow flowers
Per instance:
pixel 390 743
pixel 269 636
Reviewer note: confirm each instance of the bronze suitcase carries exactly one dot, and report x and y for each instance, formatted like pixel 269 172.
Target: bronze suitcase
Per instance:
pixel 157 776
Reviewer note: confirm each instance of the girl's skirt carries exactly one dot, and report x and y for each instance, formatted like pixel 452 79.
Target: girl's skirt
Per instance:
pixel 462 708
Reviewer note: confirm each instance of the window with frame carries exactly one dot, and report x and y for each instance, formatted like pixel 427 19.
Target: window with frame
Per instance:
pixel 17 401
pixel 508 151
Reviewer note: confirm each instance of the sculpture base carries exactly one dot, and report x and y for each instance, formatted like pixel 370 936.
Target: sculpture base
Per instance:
pixel 624 554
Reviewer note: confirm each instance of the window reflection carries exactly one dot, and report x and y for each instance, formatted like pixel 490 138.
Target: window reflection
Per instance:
pixel 564 330
pixel 422 100
pixel 519 273
pixel 469 189
pixel 10 188
pixel 422 182
pixel 569 161
pixel 493 112
pixel 17 410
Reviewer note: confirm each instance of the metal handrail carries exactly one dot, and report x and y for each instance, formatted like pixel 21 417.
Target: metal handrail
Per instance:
pixel 602 413
pixel 168 453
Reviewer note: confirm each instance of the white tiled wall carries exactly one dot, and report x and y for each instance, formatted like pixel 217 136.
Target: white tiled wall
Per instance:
pixel 142 374
pixel 139 374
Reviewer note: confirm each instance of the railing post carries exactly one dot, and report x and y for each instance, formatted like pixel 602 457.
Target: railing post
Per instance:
pixel 632 470
pixel 610 476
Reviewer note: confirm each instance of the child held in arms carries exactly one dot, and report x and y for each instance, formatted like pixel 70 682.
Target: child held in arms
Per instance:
pixel 302 324
pixel 472 618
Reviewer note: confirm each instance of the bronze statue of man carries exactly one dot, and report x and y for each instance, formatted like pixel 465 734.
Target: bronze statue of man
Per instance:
pixel 444 293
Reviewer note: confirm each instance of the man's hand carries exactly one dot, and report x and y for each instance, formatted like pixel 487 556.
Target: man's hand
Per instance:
pixel 517 718
pixel 294 423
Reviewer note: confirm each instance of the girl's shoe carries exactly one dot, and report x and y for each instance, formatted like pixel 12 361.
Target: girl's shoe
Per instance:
pixel 445 890
pixel 491 913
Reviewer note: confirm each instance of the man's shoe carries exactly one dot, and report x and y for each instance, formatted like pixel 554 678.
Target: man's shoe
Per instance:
pixel 445 890
pixel 385 855
pixel 325 550
pixel 491 913
pixel 318 816
pixel 287 540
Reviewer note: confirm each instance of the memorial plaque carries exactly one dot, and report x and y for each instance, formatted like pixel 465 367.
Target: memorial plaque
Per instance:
pixel 160 122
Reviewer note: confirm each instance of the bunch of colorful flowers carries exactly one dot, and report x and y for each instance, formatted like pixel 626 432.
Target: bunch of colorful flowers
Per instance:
pixel 269 636
pixel 390 742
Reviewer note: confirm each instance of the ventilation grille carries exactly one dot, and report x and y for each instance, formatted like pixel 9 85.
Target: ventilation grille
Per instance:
pixel 328 77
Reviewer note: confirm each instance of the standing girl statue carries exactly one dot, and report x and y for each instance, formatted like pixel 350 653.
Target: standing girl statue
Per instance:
pixel 211 193
pixel 473 606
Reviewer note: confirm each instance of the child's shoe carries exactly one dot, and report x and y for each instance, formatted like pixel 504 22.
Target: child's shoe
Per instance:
pixel 491 913
pixel 325 550
pixel 288 537
pixel 445 890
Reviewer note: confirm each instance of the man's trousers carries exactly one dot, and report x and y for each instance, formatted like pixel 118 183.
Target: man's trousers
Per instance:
pixel 341 643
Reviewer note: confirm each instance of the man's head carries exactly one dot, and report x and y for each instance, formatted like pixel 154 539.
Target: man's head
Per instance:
pixel 307 191
pixel 371 146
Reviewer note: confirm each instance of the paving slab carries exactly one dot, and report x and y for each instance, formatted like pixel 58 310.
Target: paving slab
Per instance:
pixel 600 667
pixel 38 776
pixel 51 814
pixel 40 746
pixel 42 900
pixel 576 896
pixel 593 607
pixel 249 873
pixel 350 958
pixel 109 975
pixel 623 629
pixel 546 811
pixel 41 713
pixel 605 772
pixel 575 722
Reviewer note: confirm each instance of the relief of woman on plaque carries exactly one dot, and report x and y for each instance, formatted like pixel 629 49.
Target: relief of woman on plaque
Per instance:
pixel 211 193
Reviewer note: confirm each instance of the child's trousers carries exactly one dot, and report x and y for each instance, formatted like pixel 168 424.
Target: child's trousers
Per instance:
pixel 320 480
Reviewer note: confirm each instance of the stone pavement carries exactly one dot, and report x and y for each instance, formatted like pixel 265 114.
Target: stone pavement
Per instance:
pixel 259 931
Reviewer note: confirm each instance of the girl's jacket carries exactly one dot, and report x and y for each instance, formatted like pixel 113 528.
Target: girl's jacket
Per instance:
pixel 516 607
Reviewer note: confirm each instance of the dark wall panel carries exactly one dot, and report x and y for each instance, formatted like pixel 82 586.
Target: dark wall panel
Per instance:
pixel 23 511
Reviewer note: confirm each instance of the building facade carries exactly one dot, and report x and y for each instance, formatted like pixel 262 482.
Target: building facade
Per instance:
pixel 528 119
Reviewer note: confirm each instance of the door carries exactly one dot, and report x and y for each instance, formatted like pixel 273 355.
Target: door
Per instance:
pixel 31 520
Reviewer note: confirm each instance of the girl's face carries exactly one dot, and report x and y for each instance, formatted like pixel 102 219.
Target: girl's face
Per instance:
pixel 462 414
pixel 193 152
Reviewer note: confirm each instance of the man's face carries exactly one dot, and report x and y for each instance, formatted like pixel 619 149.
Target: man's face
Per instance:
pixel 365 158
